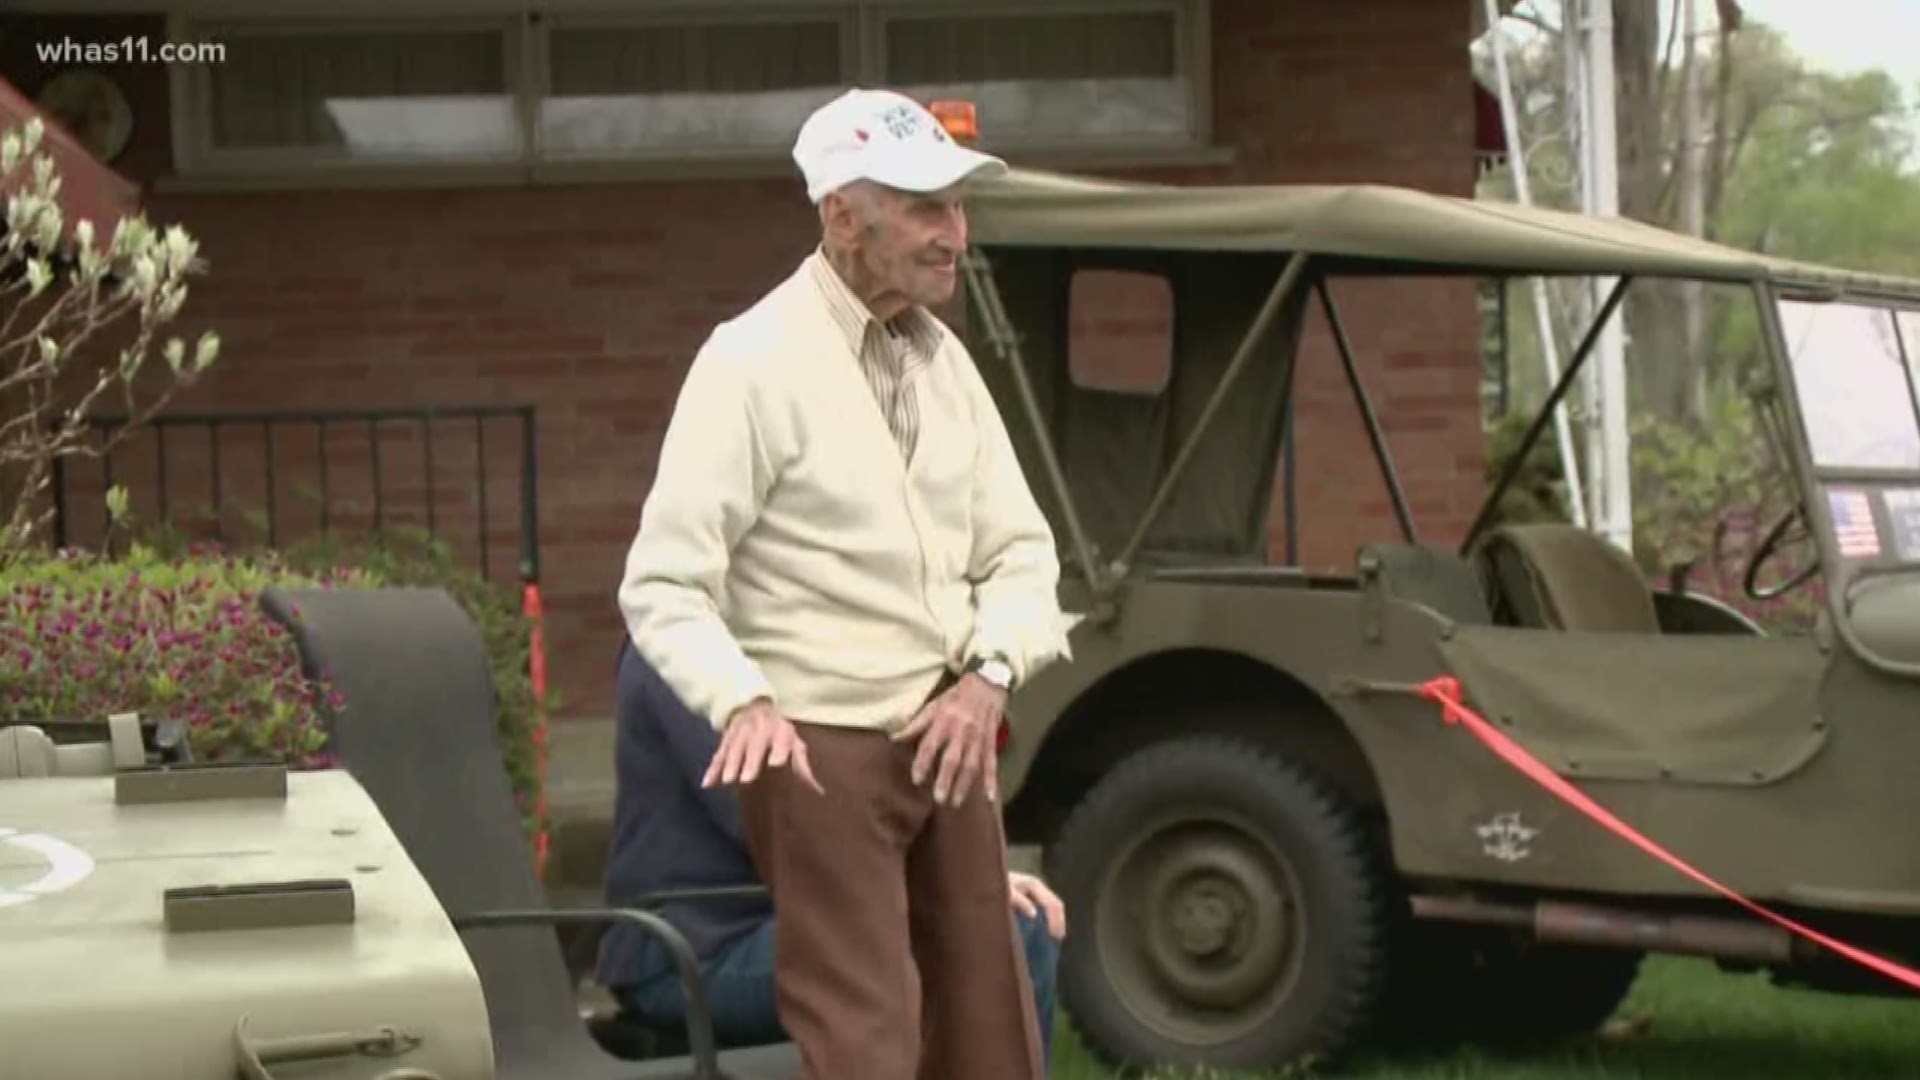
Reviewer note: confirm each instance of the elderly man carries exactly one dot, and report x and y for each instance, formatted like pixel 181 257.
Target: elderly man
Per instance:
pixel 840 565
pixel 670 832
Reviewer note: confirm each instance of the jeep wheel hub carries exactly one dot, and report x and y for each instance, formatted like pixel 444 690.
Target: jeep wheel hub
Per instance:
pixel 1217 921
pixel 1201 927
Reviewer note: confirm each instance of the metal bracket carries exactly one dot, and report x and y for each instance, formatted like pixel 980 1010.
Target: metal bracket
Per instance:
pixel 258 905
pixel 200 782
pixel 1350 686
pixel 123 737
pixel 1373 601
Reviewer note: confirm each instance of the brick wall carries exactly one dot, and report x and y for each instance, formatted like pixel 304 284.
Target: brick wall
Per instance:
pixel 588 302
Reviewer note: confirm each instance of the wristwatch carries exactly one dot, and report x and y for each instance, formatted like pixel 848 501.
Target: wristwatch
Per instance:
pixel 996 671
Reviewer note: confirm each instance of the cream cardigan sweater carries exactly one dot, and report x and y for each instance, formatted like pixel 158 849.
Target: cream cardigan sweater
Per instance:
pixel 787 550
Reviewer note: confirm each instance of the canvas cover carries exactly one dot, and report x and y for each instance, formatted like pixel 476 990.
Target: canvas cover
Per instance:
pixel 1116 447
pixel 1602 705
pixel 1368 227
pixel 1222 248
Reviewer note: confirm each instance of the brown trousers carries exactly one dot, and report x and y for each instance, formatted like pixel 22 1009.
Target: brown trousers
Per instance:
pixel 895 950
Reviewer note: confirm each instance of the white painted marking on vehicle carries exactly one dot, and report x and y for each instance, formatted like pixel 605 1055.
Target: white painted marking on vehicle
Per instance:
pixel 1506 838
pixel 67 866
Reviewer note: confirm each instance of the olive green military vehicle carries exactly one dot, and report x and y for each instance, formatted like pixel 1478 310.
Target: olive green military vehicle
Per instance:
pixel 162 919
pixel 1268 840
pixel 1270 843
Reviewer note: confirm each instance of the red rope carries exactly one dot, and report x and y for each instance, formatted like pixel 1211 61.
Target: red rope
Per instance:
pixel 1446 691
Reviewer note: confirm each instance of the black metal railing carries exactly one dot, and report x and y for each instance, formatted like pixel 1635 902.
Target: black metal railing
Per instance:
pixel 224 446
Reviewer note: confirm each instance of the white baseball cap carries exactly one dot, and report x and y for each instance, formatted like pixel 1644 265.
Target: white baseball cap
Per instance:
pixel 885 137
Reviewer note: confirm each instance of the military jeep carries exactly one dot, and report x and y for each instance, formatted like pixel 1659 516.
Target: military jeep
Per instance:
pixel 1270 843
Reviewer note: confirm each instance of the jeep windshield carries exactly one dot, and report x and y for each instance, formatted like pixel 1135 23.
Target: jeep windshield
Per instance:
pixel 1852 370
pixel 1853 364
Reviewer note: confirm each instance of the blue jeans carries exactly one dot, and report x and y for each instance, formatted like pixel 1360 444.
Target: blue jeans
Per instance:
pixel 739 984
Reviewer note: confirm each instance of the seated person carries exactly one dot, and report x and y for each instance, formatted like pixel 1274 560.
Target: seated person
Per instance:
pixel 671 833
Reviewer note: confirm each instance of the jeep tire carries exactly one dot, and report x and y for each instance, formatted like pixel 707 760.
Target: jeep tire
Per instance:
pixel 1226 908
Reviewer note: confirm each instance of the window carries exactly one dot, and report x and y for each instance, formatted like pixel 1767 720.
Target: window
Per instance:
pixel 1120 331
pixel 298 95
pixel 1054 78
pixel 674 88
pixel 642 83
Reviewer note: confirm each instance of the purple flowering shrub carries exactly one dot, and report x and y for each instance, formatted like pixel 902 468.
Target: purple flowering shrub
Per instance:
pixel 397 557
pixel 83 636
pixel 171 627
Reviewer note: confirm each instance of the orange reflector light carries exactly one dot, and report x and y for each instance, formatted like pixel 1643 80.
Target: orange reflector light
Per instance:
pixel 959 118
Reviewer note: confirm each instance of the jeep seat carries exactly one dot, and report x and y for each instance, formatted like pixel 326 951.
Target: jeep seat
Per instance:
pixel 1432 577
pixel 1559 577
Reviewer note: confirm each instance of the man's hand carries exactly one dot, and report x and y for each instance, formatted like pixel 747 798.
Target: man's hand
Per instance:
pixel 1030 893
pixel 758 734
pixel 958 729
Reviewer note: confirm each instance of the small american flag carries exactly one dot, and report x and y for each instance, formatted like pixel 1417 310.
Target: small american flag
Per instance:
pixel 1853 526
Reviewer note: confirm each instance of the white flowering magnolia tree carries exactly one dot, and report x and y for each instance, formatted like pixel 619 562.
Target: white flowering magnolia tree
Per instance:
pixel 79 317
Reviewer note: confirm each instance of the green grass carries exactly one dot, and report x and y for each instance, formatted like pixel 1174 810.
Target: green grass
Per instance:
pixel 1699 1023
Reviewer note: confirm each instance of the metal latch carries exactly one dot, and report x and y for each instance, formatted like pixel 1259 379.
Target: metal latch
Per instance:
pixel 254 1055
pixel 1373 600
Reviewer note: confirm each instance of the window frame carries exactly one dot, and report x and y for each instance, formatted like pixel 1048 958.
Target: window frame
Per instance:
pixel 527 55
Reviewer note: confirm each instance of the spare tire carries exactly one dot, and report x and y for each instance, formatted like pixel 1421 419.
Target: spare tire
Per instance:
pixel 1227 908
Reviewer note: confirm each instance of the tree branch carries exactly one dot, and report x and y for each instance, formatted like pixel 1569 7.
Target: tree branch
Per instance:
pixel 28 348
pixel 1719 161
pixel 143 271
pixel 13 303
pixel 1663 80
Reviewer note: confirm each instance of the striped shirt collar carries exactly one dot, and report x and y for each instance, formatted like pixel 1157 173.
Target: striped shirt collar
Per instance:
pixel 855 319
